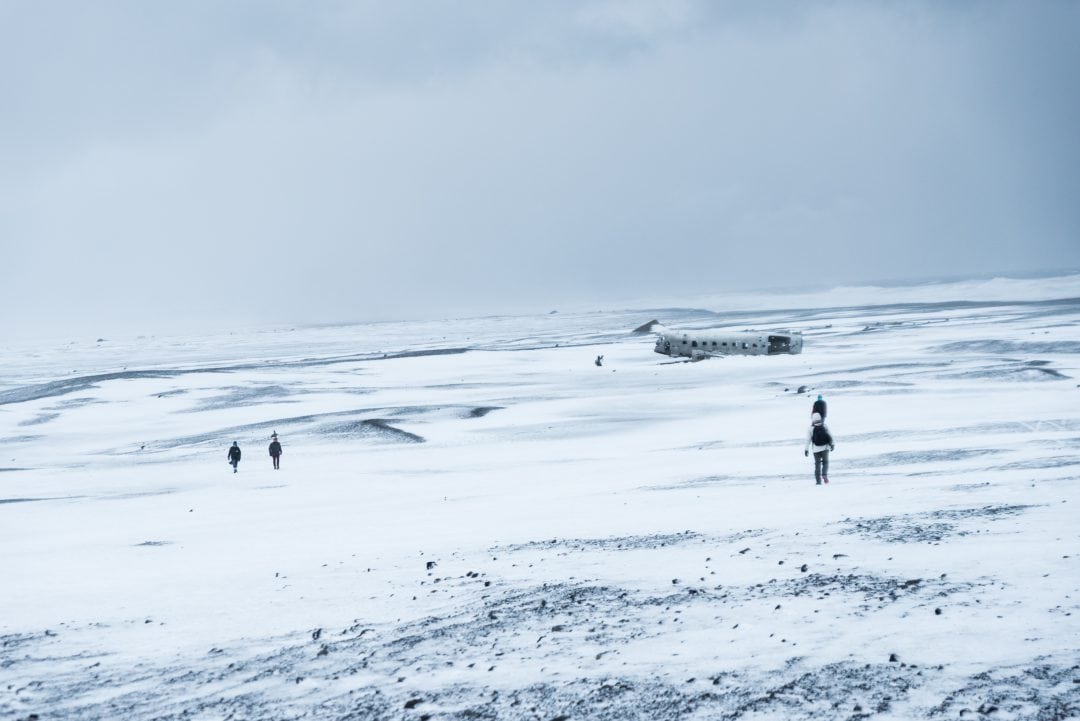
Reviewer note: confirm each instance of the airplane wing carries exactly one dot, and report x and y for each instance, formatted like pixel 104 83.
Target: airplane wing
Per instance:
pixel 653 326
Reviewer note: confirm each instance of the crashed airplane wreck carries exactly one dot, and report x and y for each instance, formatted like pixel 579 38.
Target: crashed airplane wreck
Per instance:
pixel 712 342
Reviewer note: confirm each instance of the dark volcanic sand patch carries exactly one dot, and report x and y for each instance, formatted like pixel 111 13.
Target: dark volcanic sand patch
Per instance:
pixel 861 593
pixel 482 411
pixel 933 526
pixel 1019 372
pixel 39 419
pixel 239 396
pixel 369 428
pixel 1059 425
pixel 11 440
pixel 904 458
pixel 447 667
pixel 1037 463
pixel 613 543
pixel 74 385
pixel 295 425
pixel 76 403
pixel 1042 691
pixel 970 486
pixel 1008 347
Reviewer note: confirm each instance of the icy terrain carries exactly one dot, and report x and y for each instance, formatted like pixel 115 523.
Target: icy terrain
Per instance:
pixel 473 521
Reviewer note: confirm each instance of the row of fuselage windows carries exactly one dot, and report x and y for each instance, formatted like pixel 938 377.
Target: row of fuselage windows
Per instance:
pixel 721 344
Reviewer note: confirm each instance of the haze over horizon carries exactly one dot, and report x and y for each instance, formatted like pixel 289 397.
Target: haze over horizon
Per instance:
pixel 253 163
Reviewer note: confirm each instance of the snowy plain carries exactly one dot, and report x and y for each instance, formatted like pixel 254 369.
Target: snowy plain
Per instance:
pixel 472 520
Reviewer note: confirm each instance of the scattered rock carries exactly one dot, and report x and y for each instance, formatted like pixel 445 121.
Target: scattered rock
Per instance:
pixel 803 568
pixel 431 565
pixel 937 611
pixel 316 634
pixel 893 658
pixel 413 702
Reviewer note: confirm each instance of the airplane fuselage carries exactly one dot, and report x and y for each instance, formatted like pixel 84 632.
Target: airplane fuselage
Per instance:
pixel 697 345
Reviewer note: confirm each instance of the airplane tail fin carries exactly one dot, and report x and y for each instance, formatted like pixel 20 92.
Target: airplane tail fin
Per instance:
pixel 653 326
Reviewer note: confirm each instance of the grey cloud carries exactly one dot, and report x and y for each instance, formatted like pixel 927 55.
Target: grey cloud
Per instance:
pixel 251 162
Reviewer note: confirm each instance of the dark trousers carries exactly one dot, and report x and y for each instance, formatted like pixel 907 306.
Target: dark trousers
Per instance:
pixel 234 463
pixel 821 465
pixel 276 461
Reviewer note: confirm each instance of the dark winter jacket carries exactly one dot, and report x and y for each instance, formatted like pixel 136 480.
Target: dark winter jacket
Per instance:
pixel 234 453
pixel 275 448
pixel 819 408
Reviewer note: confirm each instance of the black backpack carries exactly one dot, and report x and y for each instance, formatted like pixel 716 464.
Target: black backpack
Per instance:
pixel 821 437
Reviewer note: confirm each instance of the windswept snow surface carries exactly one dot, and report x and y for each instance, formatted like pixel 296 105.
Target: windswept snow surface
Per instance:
pixel 473 521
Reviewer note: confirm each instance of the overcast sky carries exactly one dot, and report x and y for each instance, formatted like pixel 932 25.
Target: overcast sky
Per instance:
pixel 171 164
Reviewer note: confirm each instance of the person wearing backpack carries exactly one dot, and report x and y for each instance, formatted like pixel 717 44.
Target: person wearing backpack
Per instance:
pixel 820 441
pixel 819 407
pixel 234 456
pixel 275 451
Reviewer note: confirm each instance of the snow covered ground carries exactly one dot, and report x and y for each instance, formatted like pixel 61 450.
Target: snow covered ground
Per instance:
pixel 473 521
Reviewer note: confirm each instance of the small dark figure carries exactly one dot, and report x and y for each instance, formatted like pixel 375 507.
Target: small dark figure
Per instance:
pixel 234 455
pixel 275 451
pixel 819 408
pixel 599 361
pixel 820 440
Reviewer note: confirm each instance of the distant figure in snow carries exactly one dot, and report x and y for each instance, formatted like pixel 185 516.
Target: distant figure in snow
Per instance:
pixel 819 408
pixel 275 450
pixel 599 361
pixel 234 456
pixel 820 440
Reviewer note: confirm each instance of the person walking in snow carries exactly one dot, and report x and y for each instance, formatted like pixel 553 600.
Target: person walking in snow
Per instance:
pixel 275 450
pixel 234 455
pixel 819 408
pixel 820 441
